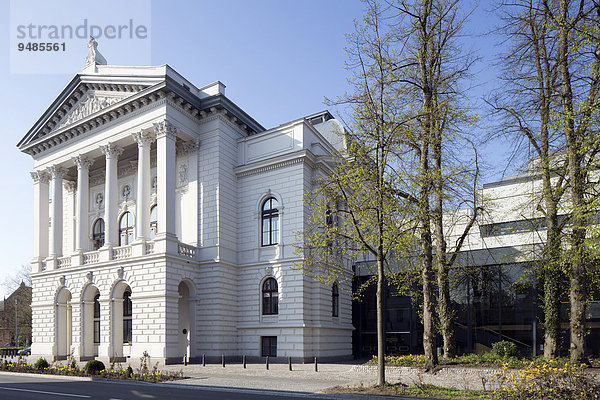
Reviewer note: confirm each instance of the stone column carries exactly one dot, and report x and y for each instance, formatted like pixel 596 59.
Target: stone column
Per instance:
pixel 111 227
pixel 166 134
pixel 56 239
pixel 142 225
pixel 40 218
pixel 83 193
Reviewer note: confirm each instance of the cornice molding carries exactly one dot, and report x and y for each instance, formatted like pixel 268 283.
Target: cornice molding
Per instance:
pixel 270 167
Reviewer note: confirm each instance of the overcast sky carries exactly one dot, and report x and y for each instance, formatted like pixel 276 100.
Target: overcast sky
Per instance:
pixel 278 58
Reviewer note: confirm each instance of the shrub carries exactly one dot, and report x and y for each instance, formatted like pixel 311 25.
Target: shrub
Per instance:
pixel 551 380
pixel 41 364
pixel 504 348
pixel 129 371
pixel 93 367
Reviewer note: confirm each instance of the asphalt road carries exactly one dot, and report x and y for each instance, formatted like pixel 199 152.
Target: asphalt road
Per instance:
pixel 34 387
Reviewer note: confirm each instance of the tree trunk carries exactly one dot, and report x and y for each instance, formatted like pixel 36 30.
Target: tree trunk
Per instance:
pixel 380 321
pixel 445 312
pixel 574 143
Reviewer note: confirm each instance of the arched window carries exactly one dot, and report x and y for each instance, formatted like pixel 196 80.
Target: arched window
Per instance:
pixel 270 297
pixel 97 319
pixel 127 313
pixel 270 222
pixel 153 222
pixel 126 229
pixel 98 234
pixel 335 300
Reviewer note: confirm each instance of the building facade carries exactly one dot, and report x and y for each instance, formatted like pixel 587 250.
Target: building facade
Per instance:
pixel 495 290
pixel 16 307
pixel 173 216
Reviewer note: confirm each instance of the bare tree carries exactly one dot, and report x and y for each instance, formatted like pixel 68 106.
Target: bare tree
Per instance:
pixel 527 102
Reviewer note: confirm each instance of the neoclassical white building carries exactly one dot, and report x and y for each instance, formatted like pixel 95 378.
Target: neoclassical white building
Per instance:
pixel 165 218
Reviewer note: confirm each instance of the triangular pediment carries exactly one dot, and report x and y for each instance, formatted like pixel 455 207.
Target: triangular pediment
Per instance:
pixel 85 97
pixel 91 102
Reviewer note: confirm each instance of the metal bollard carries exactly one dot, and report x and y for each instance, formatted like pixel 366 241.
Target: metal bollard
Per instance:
pixel 204 360
pixel 223 360
pixel 244 361
pixel 290 362
pixel 267 362
pixel 185 360
pixel 316 365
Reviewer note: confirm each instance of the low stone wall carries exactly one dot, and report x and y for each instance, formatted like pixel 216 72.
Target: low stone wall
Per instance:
pixel 473 378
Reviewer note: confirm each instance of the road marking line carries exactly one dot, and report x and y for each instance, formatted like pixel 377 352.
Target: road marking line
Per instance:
pixel 43 392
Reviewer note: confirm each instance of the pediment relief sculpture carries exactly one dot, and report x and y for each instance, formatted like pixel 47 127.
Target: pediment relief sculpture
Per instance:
pixel 89 104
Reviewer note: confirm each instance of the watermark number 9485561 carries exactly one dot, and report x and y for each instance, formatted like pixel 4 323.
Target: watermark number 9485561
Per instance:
pixel 43 46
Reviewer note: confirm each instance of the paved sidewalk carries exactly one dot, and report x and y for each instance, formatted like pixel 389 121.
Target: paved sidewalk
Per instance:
pixel 302 378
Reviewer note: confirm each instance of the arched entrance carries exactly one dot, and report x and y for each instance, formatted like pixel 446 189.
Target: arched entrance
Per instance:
pixel 186 308
pixel 63 323
pixel 90 322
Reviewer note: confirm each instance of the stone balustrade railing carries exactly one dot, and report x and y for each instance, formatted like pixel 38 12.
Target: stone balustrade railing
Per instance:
pixel 91 257
pixel 186 250
pixel 121 252
pixel 63 262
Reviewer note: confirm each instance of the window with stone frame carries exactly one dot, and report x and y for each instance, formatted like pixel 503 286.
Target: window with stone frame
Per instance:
pixel 270 297
pixel 268 346
pixel 269 222
pixel 97 319
pixel 127 317
pixel 126 229
pixel 98 234
pixel 335 300
pixel 153 222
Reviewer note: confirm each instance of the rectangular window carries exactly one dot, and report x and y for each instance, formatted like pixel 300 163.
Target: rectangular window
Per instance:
pixel 269 346
pixel 127 330
pixel 96 331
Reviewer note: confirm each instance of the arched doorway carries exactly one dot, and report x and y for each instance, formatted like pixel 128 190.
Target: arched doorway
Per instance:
pixel 90 322
pixel 63 323
pixel 121 321
pixel 186 309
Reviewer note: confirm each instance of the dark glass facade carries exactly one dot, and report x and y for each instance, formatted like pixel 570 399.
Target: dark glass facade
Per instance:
pixel 492 303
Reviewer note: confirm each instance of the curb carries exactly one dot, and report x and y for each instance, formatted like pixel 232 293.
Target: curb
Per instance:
pixel 51 376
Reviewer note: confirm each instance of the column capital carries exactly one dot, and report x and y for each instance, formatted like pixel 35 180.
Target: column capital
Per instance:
pixel 70 186
pixel 40 176
pixel 111 150
pixel 143 138
pixel 82 162
pixel 188 147
pixel 165 128
pixel 56 171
